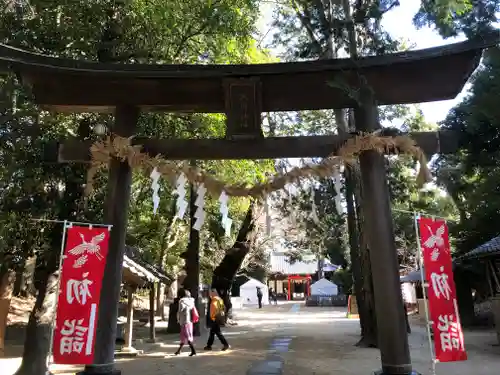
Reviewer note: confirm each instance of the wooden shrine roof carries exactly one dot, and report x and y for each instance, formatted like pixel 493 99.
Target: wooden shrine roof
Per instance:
pixel 408 77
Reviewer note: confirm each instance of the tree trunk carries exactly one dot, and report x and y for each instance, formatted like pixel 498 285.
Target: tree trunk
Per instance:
pixel 192 260
pixel 6 287
pixel 160 298
pixel 46 276
pixel 20 284
pixel 464 297
pixel 38 331
pixel 366 302
pixel 29 277
pixel 160 293
pixel 225 272
pixel 353 229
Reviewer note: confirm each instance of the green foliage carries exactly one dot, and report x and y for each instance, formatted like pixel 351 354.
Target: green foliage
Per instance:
pixel 192 31
pixel 471 176
pixel 308 30
pixel 324 236
pixel 407 198
pixel 452 17
pixel 343 277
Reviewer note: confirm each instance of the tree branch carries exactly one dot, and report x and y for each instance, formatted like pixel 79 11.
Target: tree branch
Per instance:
pixel 306 22
pixel 325 25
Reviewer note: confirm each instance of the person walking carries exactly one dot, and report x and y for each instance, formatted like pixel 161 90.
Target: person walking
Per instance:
pixel 273 296
pixel 216 319
pixel 259 297
pixel 186 316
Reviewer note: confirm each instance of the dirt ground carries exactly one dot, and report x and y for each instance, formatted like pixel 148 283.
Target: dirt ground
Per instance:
pixel 328 348
pixel 322 342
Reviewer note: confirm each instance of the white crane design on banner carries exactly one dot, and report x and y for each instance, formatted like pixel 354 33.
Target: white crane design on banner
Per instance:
pixel 86 248
pixel 435 239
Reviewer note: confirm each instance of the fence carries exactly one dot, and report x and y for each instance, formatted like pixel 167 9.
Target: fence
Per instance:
pixel 334 300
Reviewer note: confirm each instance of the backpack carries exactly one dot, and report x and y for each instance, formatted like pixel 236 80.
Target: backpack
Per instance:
pixel 220 316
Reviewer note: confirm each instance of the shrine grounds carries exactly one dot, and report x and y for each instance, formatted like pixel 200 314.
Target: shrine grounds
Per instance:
pixel 298 340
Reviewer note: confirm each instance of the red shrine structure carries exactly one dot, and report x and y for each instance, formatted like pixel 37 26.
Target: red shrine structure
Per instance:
pixel 292 280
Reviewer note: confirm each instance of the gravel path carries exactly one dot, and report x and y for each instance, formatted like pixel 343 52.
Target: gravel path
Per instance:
pixel 326 346
pixel 318 341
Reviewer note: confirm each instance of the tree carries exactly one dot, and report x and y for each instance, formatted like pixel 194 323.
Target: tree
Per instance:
pixel 106 31
pixel 317 229
pixel 470 176
pixel 326 30
pixel 408 199
pixel 453 17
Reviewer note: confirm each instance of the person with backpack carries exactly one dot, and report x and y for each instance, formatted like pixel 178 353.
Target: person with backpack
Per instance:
pixel 216 319
pixel 186 316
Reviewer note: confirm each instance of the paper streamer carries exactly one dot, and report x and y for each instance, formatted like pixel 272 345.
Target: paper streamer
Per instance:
pixel 314 213
pixel 293 210
pixel 155 186
pixel 268 216
pixel 200 207
pixel 338 190
pixel 224 210
pixel 180 190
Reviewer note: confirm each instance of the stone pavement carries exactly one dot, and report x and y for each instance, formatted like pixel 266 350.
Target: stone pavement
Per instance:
pixel 291 339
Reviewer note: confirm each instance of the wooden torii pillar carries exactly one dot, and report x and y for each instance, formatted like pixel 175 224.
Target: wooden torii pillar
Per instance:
pixel 391 321
pixel 116 213
pixel 243 92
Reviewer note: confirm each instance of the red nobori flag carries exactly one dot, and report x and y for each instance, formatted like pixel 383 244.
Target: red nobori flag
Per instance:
pixel 448 335
pixel 78 302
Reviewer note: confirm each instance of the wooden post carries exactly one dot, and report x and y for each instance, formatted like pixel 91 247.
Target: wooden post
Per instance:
pixel 392 336
pixel 152 329
pixel 130 319
pixel 120 177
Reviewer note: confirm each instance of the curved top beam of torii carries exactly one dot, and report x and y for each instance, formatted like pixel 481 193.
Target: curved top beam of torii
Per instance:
pixel 408 77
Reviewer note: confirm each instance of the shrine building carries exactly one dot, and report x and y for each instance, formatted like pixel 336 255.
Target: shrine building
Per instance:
pixel 292 280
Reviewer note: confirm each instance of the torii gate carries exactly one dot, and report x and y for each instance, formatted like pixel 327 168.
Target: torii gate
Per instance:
pixel 243 92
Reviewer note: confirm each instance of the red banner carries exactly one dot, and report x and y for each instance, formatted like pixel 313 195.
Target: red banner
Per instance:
pixel 80 289
pixel 448 335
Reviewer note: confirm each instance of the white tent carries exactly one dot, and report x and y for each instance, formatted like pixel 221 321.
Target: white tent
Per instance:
pixel 324 287
pixel 248 292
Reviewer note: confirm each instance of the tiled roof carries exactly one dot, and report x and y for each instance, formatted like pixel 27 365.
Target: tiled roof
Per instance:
pixel 411 277
pixel 137 265
pixel 138 270
pixel 492 247
pixel 280 264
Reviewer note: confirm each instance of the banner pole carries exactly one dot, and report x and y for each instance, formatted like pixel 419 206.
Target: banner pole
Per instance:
pixel 424 293
pixel 58 289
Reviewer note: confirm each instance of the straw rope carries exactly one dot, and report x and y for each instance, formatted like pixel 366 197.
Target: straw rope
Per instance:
pixel 121 148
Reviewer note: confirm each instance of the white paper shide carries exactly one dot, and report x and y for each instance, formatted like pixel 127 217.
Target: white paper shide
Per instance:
pixel 155 187
pixel 224 210
pixel 200 207
pixel 180 191
pixel 314 212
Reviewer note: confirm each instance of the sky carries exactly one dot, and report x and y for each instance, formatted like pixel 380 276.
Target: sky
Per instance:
pixel 399 23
